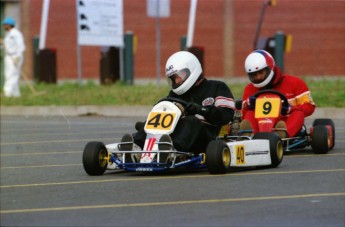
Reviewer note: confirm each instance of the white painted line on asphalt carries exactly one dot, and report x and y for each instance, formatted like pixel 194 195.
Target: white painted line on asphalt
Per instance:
pixel 42 166
pixel 41 153
pixel 58 141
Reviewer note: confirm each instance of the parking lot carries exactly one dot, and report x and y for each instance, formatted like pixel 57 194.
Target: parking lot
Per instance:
pixel 43 183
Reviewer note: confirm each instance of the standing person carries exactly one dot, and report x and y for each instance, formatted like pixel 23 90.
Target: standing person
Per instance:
pixel 210 106
pixel 264 74
pixel 14 48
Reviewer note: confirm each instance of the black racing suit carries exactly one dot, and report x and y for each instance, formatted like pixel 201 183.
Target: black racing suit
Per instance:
pixel 194 132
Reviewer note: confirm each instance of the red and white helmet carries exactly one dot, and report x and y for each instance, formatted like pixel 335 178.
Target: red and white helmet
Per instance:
pixel 256 61
pixel 186 66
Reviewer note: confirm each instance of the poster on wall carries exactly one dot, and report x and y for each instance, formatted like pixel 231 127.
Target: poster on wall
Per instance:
pixel 158 8
pixel 100 22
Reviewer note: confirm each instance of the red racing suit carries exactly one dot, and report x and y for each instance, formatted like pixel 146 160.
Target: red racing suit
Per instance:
pixel 297 93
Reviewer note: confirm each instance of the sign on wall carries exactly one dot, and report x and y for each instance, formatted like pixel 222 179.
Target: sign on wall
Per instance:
pixel 158 8
pixel 100 22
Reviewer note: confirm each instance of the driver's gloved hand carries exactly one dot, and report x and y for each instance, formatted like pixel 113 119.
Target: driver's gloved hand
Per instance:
pixel 194 108
pixel 251 102
pixel 286 109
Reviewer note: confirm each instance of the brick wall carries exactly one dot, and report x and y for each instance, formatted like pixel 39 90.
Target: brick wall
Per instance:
pixel 225 29
pixel 317 27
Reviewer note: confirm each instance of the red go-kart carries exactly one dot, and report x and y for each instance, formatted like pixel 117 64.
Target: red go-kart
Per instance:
pixel 268 105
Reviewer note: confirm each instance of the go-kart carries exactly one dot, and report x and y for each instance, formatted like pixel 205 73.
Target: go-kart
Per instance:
pixel 268 106
pixel 222 153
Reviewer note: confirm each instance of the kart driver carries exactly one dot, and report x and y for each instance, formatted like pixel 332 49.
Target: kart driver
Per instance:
pixel 264 74
pixel 210 105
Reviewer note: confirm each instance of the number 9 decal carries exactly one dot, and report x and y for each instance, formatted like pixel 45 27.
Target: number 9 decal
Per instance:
pixel 267 107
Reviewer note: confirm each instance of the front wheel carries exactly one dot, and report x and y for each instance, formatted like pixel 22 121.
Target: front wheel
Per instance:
pixel 326 121
pixel 95 158
pixel 320 141
pixel 276 147
pixel 218 157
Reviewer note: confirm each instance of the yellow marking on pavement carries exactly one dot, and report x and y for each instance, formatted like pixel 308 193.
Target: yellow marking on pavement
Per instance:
pixel 166 178
pixel 79 140
pixel 339 141
pixel 79 152
pixel 43 166
pixel 311 155
pixel 172 203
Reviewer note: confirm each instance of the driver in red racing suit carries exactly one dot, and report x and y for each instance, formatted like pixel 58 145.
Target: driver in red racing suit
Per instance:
pixel 264 74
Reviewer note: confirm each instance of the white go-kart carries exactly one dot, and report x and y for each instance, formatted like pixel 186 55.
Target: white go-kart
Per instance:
pixel 223 153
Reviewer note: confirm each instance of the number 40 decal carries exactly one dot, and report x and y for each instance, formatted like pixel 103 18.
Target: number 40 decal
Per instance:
pixel 160 121
pixel 240 157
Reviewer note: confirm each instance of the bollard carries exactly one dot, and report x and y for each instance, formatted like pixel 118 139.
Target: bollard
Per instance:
pixel 46 65
pixel 109 65
pixel 279 49
pixel 128 59
pixel 35 44
pixel 183 43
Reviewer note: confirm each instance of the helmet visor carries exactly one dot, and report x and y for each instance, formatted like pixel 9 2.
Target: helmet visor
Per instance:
pixel 259 76
pixel 177 79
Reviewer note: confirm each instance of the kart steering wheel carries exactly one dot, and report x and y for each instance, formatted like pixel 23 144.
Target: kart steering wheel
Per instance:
pixel 181 104
pixel 270 91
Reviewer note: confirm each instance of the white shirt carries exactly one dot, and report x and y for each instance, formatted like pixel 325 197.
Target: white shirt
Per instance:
pixel 14 43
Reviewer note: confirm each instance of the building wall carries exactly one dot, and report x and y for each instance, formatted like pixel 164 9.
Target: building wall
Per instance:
pixel 224 28
pixel 317 27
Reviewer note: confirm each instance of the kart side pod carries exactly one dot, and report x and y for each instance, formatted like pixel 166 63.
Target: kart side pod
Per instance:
pixel 265 149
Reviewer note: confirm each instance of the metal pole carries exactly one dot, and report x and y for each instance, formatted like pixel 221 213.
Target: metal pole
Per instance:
pixel 158 44
pixel 79 64
pixel 44 19
pixel 191 23
pixel 122 77
pixel 80 73
pixel 258 28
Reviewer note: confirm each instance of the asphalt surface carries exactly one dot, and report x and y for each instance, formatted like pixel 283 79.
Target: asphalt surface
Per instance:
pixel 43 183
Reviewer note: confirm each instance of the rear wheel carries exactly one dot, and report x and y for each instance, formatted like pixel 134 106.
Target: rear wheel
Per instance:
pixel 326 121
pixel 320 141
pixel 95 158
pixel 276 147
pixel 218 157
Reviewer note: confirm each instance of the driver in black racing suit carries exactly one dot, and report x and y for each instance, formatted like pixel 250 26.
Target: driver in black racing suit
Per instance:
pixel 210 105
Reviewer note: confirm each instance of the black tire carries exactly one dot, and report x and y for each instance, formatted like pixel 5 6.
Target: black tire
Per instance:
pixel 326 121
pixel 218 157
pixel 320 141
pixel 276 147
pixel 95 158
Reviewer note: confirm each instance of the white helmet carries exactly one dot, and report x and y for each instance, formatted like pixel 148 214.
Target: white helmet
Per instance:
pixel 256 61
pixel 187 67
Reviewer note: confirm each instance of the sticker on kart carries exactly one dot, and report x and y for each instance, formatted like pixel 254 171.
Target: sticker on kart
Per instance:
pixel 267 107
pixel 240 155
pixel 160 121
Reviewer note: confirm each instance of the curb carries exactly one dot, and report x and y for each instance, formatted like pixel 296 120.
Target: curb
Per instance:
pixel 123 111
pixel 114 111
